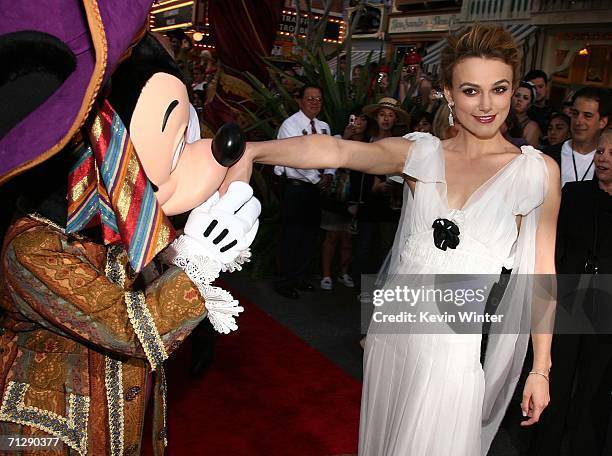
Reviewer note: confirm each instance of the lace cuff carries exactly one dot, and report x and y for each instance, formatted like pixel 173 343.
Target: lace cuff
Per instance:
pixel 236 265
pixel 202 270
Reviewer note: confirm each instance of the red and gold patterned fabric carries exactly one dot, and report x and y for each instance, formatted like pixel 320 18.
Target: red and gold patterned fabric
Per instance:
pixel 64 321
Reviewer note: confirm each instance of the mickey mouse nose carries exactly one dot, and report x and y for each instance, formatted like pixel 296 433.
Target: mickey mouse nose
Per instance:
pixel 228 145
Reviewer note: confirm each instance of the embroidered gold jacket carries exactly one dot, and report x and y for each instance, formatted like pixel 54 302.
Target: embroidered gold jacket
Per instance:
pixel 71 364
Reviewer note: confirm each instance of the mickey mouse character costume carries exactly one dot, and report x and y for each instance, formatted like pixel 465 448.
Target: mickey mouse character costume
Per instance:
pixel 95 111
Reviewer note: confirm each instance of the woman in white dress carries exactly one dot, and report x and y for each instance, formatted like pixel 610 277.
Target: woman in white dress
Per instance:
pixel 427 394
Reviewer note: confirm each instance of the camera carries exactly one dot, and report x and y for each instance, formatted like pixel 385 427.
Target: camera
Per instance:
pixel 352 120
pixel 412 69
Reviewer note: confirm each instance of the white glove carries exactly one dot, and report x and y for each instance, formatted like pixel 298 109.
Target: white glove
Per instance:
pixel 217 236
pixel 224 227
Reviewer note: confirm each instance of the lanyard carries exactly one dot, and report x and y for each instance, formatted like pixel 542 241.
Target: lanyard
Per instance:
pixel 576 169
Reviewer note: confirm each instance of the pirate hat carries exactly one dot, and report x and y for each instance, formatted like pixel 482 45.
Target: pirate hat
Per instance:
pixel 55 58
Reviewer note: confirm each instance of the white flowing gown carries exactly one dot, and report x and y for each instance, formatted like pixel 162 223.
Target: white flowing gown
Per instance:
pixel 427 394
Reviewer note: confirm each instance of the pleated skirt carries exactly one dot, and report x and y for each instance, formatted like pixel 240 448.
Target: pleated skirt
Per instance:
pixel 422 395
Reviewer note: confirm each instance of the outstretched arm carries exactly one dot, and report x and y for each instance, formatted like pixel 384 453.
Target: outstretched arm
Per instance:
pixel 322 151
pixel 386 156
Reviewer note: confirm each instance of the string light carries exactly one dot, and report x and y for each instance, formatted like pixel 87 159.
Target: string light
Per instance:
pixel 161 3
pixel 171 27
pixel 168 8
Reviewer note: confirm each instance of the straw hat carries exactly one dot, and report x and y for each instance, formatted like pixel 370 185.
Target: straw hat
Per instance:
pixel 403 118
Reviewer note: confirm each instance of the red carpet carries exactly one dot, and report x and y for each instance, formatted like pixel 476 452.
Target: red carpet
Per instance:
pixel 267 393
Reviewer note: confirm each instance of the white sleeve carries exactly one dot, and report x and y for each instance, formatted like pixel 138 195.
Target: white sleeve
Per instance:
pixel 193 128
pixel 285 130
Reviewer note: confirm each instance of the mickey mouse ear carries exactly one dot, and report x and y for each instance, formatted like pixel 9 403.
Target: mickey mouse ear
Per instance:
pixel 34 66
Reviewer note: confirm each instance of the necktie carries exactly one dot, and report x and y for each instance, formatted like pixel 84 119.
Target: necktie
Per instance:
pixel 313 130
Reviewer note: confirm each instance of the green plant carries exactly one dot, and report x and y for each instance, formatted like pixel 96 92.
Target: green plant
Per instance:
pixel 268 109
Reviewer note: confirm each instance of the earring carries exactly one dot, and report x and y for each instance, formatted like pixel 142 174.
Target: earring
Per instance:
pixel 451 121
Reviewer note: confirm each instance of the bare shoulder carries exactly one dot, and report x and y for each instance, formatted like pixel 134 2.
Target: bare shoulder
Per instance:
pixel 532 125
pixel 552 167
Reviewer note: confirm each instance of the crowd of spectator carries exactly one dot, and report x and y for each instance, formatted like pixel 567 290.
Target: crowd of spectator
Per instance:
pixel 358 213
pixel 348 219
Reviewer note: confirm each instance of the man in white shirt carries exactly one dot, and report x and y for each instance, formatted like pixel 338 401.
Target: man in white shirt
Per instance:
pixel 589 117
pixel 301 205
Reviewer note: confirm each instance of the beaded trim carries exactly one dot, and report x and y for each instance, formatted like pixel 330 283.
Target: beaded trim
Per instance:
pixel 152 344
pixel 138 313
pixel 144 327
pixel 113 270
pixel 39 218
pixel 72 430
pixel 113 379
pixel 164 395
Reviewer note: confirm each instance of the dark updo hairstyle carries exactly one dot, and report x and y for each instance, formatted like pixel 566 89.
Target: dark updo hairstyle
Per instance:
pixel 480 40
pixel 532 90
pixel 429 116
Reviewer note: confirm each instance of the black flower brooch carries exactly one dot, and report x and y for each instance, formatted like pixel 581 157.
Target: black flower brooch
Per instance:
pixel 446 234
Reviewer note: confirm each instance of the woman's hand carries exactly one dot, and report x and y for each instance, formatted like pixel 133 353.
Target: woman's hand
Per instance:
pixel 433 96
pixel 536 397
pixel 349 131
pixel 406 78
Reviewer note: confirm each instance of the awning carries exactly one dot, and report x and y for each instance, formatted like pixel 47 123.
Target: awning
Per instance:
pixel 520 32
pixel 358 58
pixel 431 61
